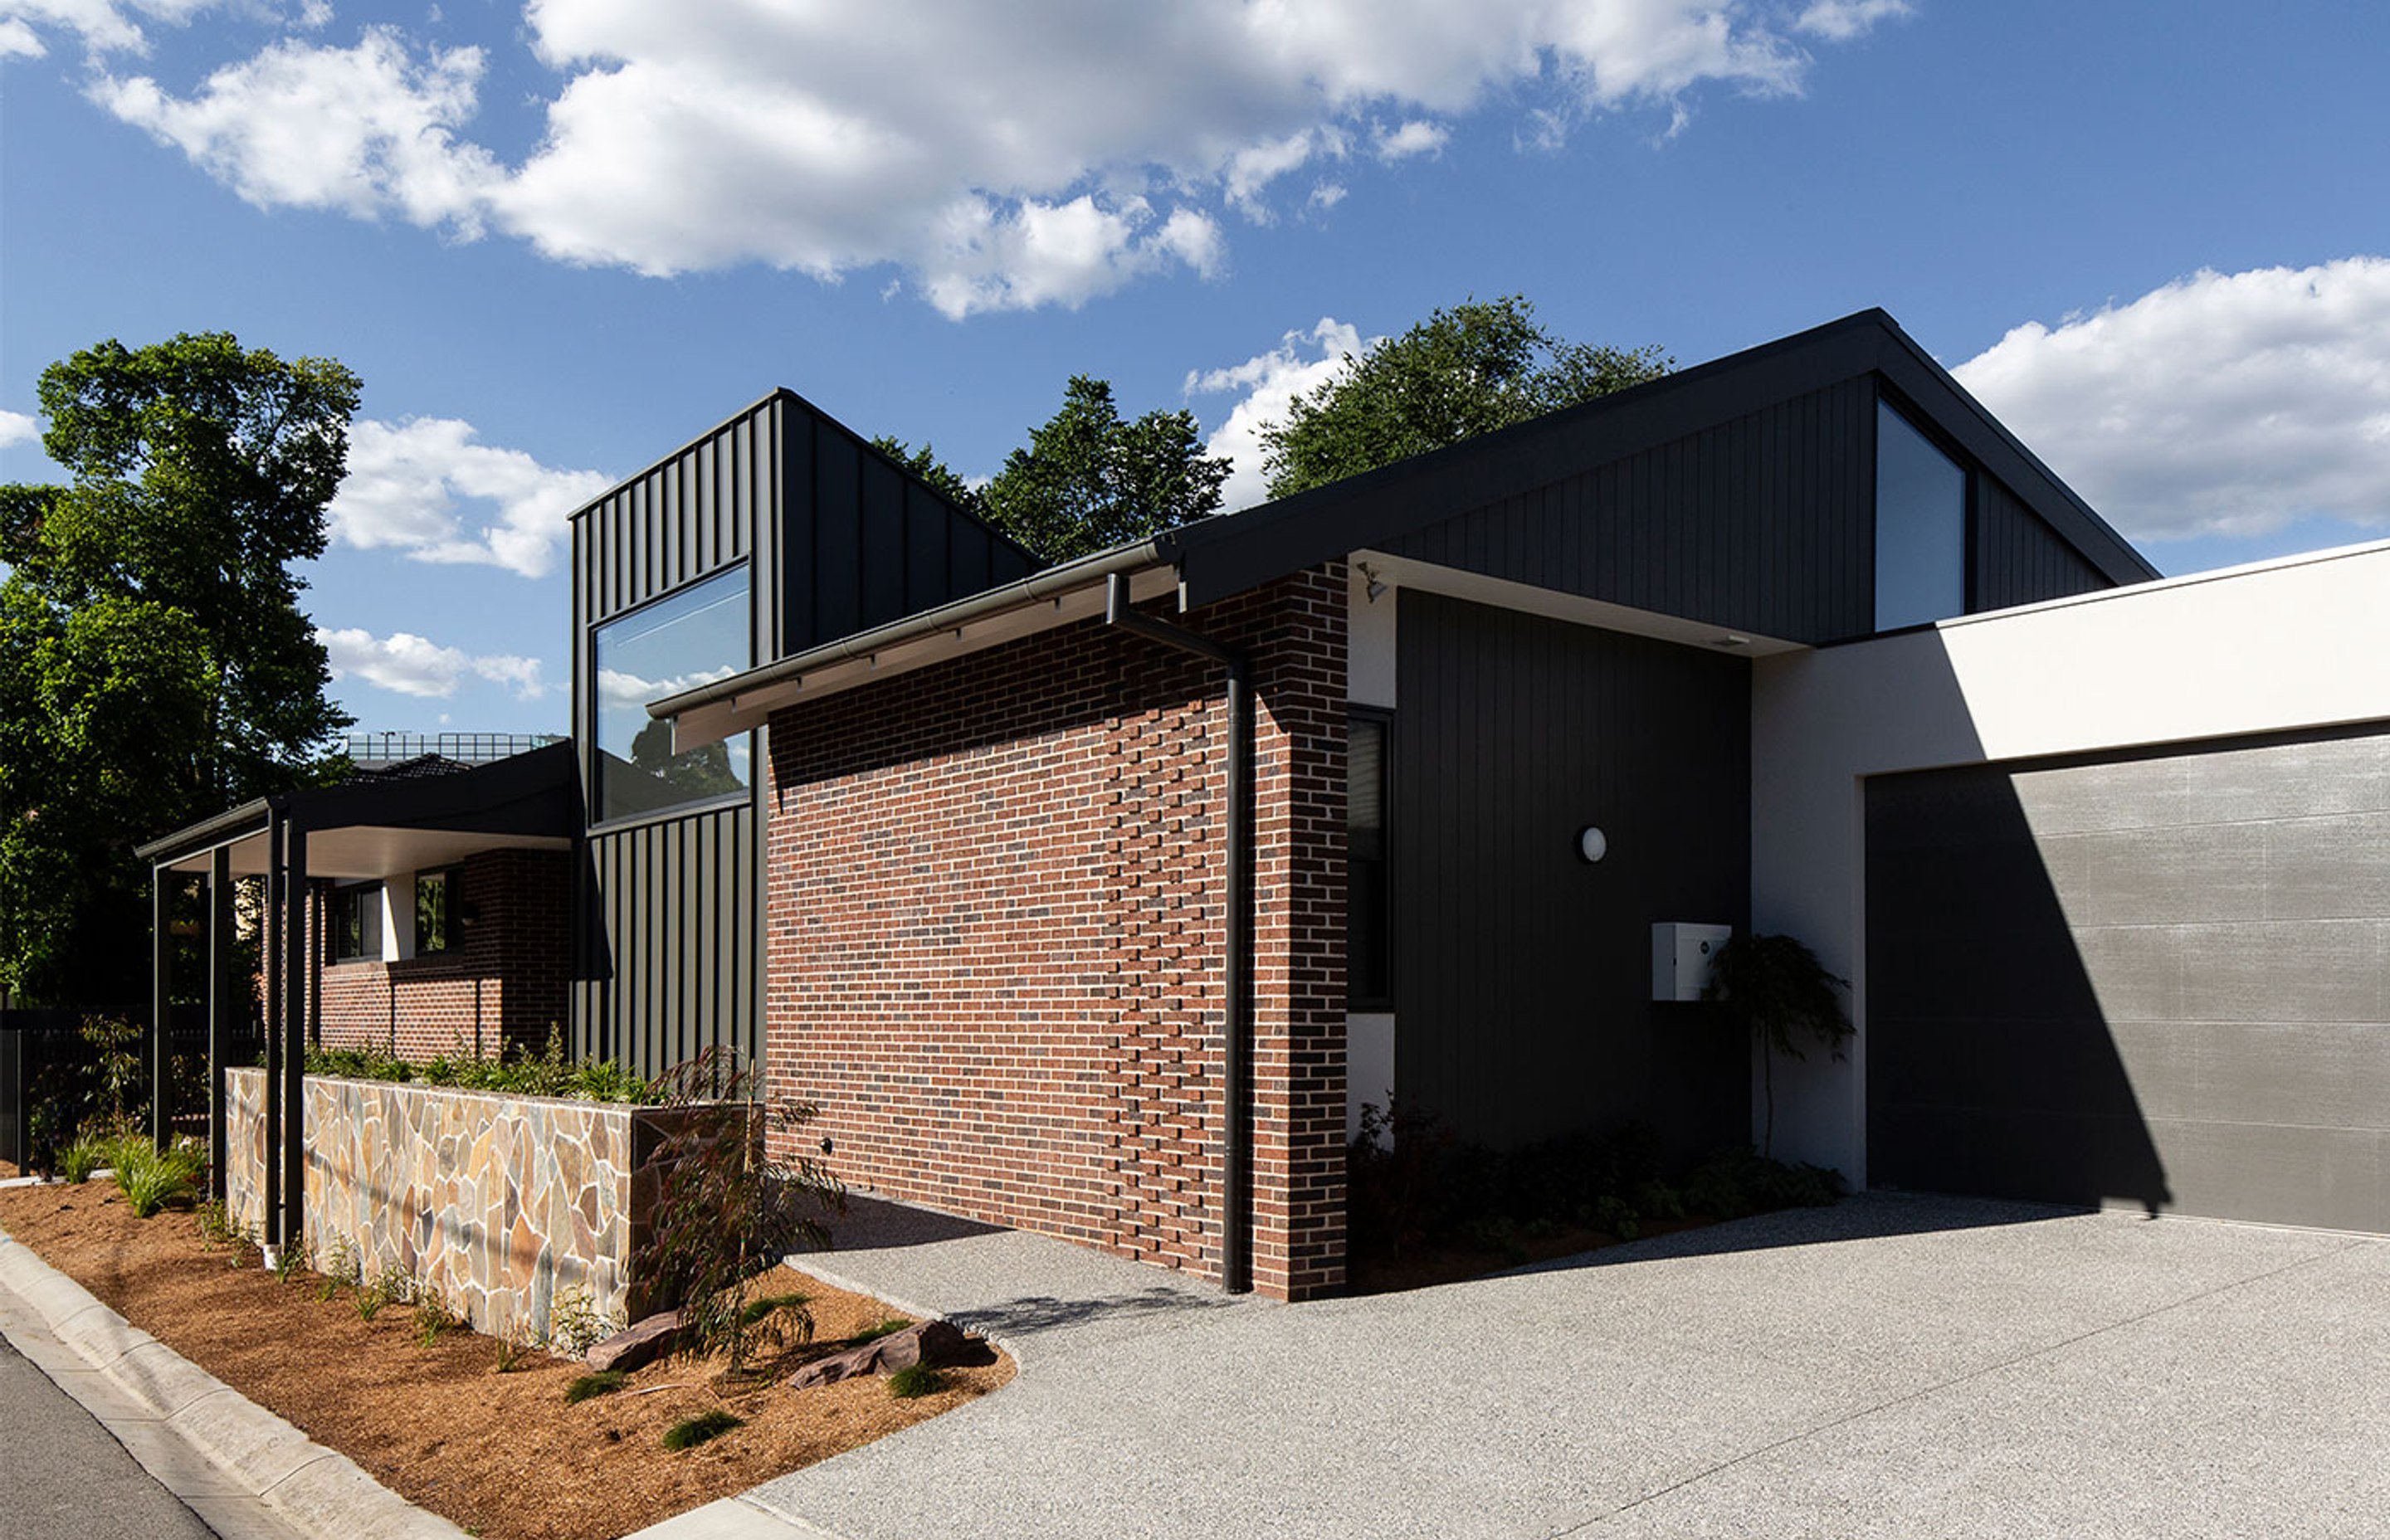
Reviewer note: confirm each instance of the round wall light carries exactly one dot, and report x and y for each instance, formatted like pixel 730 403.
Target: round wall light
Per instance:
pixel 1592 843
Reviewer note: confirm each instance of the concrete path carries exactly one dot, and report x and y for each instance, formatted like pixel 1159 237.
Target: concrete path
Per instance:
pixel 1892 1367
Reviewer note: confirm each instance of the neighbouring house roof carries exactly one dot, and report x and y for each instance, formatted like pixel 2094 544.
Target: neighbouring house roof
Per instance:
pixel 1227 554
pixel 373 827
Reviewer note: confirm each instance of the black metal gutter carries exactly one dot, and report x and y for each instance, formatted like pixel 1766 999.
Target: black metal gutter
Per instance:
pixel 1237 1217
pixel 1050 583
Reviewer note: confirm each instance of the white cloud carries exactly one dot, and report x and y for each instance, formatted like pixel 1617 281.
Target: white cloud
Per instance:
pixel 365 130
pixel 17 428
pixel 2222 404
pixel 1417 137
pixel 1841 20
pixel 1002 156
pixel 108 27
pixel 618 689
pixel 406 479
pixel 414 665
pixel 1302 361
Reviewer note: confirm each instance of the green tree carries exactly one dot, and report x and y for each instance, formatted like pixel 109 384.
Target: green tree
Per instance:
pixel 924 462
pixel 1467 370
pixel 155 666
pixel 1087 480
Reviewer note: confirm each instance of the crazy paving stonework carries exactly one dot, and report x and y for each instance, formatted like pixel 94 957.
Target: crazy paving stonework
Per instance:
pixel 499 1202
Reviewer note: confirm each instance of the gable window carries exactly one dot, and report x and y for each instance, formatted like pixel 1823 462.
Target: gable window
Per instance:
pixel 692 637
pixel 1920 526
pixel 436 910
pixel 1369 978
pixel 355 922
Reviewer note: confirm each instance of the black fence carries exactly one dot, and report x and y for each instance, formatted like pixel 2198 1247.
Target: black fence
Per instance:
pixel 44 1053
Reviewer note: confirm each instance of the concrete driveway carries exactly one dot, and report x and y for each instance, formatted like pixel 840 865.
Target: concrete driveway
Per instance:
pixel 1892 1367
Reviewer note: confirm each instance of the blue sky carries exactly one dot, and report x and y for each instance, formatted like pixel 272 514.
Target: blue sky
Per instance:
pixel 558 239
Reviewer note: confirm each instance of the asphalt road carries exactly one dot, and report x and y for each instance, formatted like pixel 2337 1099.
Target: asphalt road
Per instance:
pixel 64 1477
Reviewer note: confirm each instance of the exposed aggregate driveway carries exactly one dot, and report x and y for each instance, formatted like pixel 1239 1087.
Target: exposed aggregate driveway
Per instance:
pixel 1892 1366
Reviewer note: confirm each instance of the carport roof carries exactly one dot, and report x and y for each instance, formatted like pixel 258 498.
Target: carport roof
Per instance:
pixel 373 827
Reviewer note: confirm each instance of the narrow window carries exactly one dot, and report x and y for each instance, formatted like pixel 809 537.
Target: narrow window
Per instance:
pixel 357 923
pixel 435 903
pixel 1368 914
pixel 1921 527
pixel 695 637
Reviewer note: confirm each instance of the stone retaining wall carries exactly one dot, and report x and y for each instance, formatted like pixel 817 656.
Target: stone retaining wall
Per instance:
pixel 498 1201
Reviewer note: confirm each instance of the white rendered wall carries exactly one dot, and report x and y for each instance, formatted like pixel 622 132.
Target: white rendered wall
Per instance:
pixel 2297 643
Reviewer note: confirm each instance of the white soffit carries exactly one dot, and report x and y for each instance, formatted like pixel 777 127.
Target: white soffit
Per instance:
pixel 369 850
pixel 751 709
pixel 1503 593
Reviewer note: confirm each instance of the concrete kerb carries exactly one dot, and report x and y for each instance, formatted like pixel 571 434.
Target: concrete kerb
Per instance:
pixel 316 1490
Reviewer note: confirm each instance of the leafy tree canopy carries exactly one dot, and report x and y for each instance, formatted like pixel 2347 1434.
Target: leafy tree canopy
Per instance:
pixel 1087 480
pixel 155 666
pixel 1467 370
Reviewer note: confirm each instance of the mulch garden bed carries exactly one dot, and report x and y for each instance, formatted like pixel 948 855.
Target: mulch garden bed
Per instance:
pixel 501 1455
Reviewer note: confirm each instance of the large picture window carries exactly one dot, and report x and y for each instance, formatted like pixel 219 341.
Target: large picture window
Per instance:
pixel 689 638
pixel 1368 980
pixel 1921 527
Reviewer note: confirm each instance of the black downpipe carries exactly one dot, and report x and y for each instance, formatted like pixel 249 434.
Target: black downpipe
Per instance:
pixel 278 894
pixel 1236 1220
pixel 298 966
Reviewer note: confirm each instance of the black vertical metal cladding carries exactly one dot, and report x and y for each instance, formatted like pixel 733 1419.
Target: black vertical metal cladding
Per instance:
pixel 2018 557
pixel 1237 1219
pixel 1523 990
pixel 668 949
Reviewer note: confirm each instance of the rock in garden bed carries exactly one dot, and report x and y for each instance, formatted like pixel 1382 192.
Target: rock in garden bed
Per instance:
pixel 936 1344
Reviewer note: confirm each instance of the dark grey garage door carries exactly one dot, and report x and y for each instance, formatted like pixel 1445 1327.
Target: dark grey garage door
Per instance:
pixel 2161 978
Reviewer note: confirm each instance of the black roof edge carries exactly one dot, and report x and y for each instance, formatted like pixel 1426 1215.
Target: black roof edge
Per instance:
pixel 535 792
pixel 782 392
pixel 1228 553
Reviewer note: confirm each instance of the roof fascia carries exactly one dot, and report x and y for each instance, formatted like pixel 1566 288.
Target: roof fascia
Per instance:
pixel 1915 373
pixel 1228 554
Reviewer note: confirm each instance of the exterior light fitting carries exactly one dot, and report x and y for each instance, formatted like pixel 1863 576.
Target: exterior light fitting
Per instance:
pixel 1591 844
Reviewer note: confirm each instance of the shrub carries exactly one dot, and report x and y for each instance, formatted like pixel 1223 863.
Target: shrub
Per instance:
pixel 291 1260
pixel 433 1315
pixel 690 1432
pixel 604 1383
pixel 390 1287
pixel 888 1328
pixel 728 1210
pixel 79 1160
pixel 514 1344
pixel 915 1381
pixel 152 1179
pixel 547 1074
pixel 575 1323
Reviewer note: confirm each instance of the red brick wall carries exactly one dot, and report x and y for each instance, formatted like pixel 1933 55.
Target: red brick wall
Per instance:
pixel 501 981
pixel 996 946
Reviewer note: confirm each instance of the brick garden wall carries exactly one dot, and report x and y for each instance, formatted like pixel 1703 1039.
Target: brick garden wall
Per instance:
pixel 995 947
pixel 502 981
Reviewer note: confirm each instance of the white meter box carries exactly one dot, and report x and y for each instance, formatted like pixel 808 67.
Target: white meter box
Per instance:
pixel 1682 956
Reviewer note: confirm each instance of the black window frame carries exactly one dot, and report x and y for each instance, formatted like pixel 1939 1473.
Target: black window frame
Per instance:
pixel 451 933
pixel 363 898
pixel 1921 422
pixel 1358 1001
pixel 600 820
